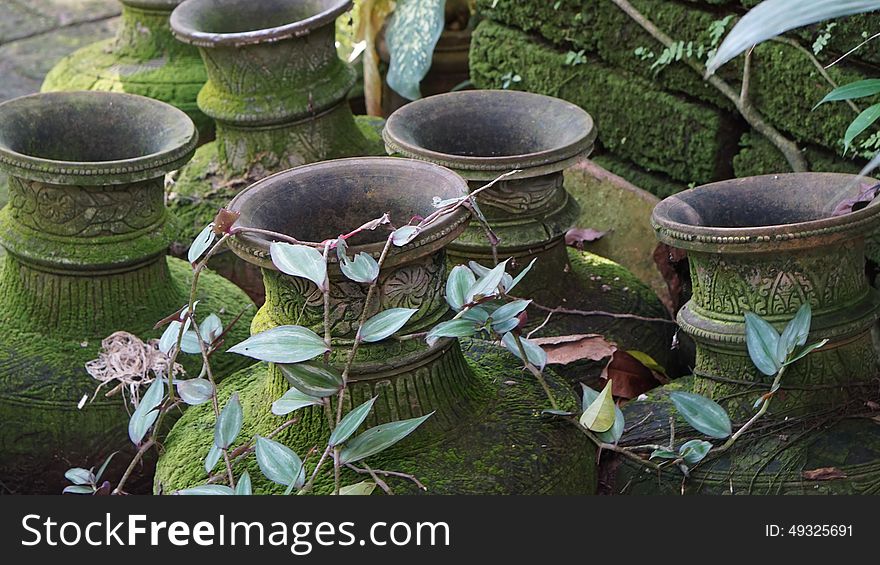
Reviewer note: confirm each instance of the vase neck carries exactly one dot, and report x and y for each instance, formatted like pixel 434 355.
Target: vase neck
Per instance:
pixel 144 34
pixel 82 258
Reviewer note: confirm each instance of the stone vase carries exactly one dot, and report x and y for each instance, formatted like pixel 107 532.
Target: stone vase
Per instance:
pixel 143 58
pixel 768 245
pixel 85 232
pixel 486 435
pixel 276 89
pixel 484 134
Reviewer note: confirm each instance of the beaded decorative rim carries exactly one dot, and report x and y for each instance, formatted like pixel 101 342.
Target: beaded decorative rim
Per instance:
pixel 80 109
pixel 184 24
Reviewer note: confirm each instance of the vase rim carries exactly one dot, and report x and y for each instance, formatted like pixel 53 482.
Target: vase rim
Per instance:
pixel 570 135
pixel 363 179
pixel 800 213
pixel 189 27
pixel 160 138
pixel 159 5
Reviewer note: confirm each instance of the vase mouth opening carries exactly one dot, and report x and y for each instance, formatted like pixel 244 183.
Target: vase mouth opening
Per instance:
pixel 93 134
pixel 784 207
pixel 215 23
pixel 484 130
pixel 321 201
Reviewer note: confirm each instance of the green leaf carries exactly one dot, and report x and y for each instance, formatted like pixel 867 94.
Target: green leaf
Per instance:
pixel 195 391
pixel 279 463
pixel 229 423
pixel 663 454
pixel 145 414
pixel 363 488
pixel 795 333
pixel 502 328
pixel 806 351
pixel 774 17
pixel 244 486
pixel 300 261
pixel 378 439
pixel 385 323
pixel 201 243
pixel 852 91
pixel 282 344
pixel 536 355
pixel 522 274
pixel 460 280
pixel 169 337
pixel 79 476
pixel 293 399
pixel 212 458
pixel 363 268
pixel 315 379
pixel 351 422
pixel 478 314
pixel 599 415
pixel 862 122
pixel 694 451
pixel 487 285
pixel 411 36
pixel 451 328
pixel 510 310
pixel 703 414
pixel 104 467
pixel 554 412
pixel 78 489
pixel 403 235
pixel 211 328
pixel 189 342
pixel 207 490
pixel 762 340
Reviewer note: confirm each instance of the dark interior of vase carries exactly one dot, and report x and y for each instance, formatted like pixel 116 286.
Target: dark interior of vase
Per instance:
pixel 765 200
pixel 90 127
pixel 238 16
pixel 319 202
pixel 490 124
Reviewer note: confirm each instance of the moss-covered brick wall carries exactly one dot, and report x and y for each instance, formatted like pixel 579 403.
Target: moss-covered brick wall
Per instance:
pixel 686 140
pixel 786 82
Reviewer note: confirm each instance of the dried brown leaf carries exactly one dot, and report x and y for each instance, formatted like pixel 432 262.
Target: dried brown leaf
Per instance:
pixel 565 349
pixel 630 377
pixel 824 474
pixel 577 237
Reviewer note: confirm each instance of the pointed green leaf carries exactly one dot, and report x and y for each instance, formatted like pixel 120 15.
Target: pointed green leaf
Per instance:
pixel 244 486
pixel 663 454
pixel 694 451
pixel 279 463
pixel 378 439
pixel 195 391
pixel 363 488
pixel 402 236
pixel 599 415
pixel 315 379
pixel 762 340
pixel 862 122
pixel 79 476
pixel 211 328
pixel 478 314
pixel 207 490
pixel 510 310
pixel 212 458
pixel 201 243
pixel 363 268
pixel 229 423
pixel 487 285
pixel 502 328
pixel 806 351
pixel 795 333
pixel 104 467
pixel 451 328
pixel 852 91
pixel 293 399
pixel 145 414
pixel 282 344
pixel 169 337
pixel 300 261
pixel 351 422
pixel 384 324
pixel 522 274
pixel 703 414
pixel 460 280
pixel 189 342
pixel 411 36
pixel 78 489
pixel 536 355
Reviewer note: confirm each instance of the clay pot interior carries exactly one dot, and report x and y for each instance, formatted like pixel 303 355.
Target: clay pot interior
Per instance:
pixel 229 17
pixel 91 127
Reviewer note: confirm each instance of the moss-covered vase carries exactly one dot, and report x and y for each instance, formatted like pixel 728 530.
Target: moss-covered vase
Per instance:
pixel 277 91
pixel 143 58
pixel 85 232
pixel 768 245
pixel 486 434
pixel 484 134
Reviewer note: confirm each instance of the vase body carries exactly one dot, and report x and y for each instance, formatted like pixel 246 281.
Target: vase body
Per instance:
pixel 484 134
pixel 485 435
pixel 86 233
pixel 276 89
pixel 768 245
pixel 143 58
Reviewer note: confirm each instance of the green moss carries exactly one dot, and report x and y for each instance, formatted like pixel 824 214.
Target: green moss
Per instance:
pixel 657 184
pixel 42 374
pixel 759 157
pixel 487 435
pixel 636 120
